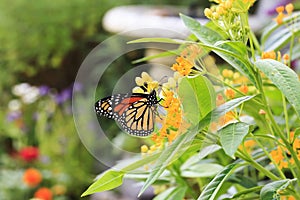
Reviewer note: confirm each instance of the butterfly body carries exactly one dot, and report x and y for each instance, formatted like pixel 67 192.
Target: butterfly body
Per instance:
pixel 135 113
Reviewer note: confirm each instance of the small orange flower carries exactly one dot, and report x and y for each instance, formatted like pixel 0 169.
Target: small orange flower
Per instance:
pixel 280 9
pixel 183 66
pixel 32 177
pixel 249 145
pixel 229 93
pixel 220 99
pixel 244 89
pixel 43 194
pixel 289 8
pixel 268 55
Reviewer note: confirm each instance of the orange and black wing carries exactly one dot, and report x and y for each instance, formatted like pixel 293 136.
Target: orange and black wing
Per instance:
pixel 133 112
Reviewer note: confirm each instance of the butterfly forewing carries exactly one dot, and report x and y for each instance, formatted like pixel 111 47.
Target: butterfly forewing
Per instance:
pixel 133 112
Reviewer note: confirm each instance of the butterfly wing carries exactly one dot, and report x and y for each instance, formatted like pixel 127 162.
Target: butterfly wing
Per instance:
pixel 133 112
pixel 138 118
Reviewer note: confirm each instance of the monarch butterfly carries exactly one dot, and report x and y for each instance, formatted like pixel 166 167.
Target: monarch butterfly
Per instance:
pixel 134 112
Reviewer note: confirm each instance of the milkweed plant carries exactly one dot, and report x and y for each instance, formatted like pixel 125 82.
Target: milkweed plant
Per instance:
pixel 228 133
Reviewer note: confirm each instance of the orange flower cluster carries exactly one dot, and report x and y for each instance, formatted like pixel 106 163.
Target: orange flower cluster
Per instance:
pixel 275 56
pixel 281 15
pixel 183 66
pixel 279 154
pixel 32 177
pixel 249 145
pixel 170 124
pixel 186 61
pixel 43 194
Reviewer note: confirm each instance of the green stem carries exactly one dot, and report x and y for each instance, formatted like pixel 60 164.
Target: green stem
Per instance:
pixel 260 168
pixel 291 48
pixel 286 117
pixel 176 173
pixel 268 155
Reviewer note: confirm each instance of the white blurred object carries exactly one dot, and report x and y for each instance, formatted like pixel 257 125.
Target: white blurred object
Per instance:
pixel 128 18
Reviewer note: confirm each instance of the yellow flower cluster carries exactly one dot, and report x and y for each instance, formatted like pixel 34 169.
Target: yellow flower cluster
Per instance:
pixel 281 154
pixel 145 83
pixel 281 15
pixel 228 15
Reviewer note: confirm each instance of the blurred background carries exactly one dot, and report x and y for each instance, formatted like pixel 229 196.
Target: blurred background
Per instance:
pixel 42 45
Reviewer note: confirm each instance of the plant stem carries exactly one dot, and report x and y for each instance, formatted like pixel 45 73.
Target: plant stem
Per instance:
pixel 260 168
pixel 286 117
pixel 268 155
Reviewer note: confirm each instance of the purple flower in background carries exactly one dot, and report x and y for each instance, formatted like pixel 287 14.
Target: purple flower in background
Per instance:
pixel 272 11
pixel 77 87
pixel 44 90
pixel 65 95
pixel 12 116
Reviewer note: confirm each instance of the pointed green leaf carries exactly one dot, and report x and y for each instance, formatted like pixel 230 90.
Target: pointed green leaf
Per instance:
pixel 198 97
pixel 108 180
pixel 280 39
pixel 159 40
pixel 172 193
pixel 201 170
pixel 232 135
pixel 284 78
pixel 270 191
pixel 235 53
pixel 211 190
pixel 274 26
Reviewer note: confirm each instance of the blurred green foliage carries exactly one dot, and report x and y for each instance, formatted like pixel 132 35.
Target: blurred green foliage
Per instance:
pixel 39 34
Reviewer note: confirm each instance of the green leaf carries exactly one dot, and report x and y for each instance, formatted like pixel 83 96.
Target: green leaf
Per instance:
pixel 168 155
pixel 182 142
pixel 272 27
pixel 232 135
pixel 235 53
pixel 270 191
pixel 172 193
pixel 201 170
pixel 158 40
pixel 280 39
pixel 284 78
pixel 198 97
pixel 158 55
pixel 228 106
pixel 211 190
pixel 208 150
pixel 108 180
pixel 198 157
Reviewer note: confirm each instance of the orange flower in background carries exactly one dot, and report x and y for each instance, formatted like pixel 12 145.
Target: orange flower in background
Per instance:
pixel 229 93
pixel 43 194
pixel 280 10
pixel 244 89
pixel 281 154
pixel 249 145
pixel 29 153
pixel 32 177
